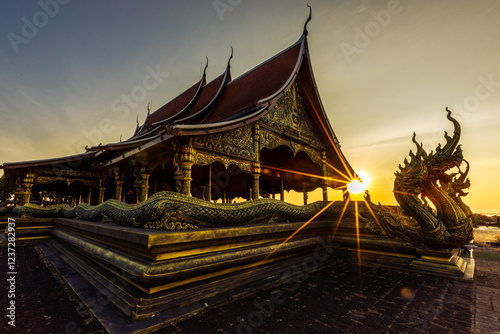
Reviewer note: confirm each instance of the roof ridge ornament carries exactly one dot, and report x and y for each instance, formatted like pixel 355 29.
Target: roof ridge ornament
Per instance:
pixel 230 57
pixel 307 21
pixel 205 69
pixel 207 109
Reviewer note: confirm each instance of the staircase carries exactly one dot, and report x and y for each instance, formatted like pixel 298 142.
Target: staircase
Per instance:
pixel 27 230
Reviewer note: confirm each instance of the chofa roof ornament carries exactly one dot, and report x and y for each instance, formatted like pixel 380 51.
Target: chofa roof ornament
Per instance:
pixel 307 21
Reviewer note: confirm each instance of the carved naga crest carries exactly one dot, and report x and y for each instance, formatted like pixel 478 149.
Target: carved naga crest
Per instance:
pixel 429 191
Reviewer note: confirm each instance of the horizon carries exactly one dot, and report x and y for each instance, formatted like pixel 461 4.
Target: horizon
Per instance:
pixel 383 71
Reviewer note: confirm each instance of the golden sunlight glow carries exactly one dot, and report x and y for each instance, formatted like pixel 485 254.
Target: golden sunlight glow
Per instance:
pixel 355 187
pixel 365 178
pixel 358 186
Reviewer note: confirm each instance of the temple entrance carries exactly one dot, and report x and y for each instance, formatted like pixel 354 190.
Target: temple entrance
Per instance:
pixel 215 182
pixel 59 192
pixel 282 171
pixel 161 179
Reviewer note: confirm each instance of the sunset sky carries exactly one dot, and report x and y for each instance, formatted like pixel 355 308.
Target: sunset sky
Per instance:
pixel 384 69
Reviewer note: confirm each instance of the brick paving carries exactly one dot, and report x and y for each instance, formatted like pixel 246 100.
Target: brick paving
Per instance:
pixel 487 285
pixel 44 302
pixel 340 297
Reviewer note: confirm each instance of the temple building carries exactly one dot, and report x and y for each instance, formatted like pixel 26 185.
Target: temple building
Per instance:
pixel 259 135
pixel 165 258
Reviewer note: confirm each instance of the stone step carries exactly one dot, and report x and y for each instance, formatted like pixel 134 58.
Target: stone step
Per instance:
pixel 28 230
pixel 148 311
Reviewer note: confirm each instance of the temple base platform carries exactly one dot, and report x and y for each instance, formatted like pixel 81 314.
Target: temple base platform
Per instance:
pixel 27 230
pixel 138 280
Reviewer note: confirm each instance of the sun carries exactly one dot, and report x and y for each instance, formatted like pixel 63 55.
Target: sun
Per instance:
pixel 359 186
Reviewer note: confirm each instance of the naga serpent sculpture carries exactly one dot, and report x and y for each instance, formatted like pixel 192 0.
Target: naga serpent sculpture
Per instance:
pixel 424 177
pixel 5 210
pixel 173 211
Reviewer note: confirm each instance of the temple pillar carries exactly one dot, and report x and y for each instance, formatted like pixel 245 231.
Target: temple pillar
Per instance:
pixel 323 182
pixel 255 180
pixel 209 186
pixel 79 197
pixel 187 153
pixel 249 188
pixel 89 195
pixel 178 178
pixel 23 193
pixel 118 190
pixel 102 188
pixel 73 197
pixel 346 195
pixel 325 193
pixel 143 184
pixel 186 179
pixel 119 185
pixel 256 164
pixel 282 183
pixel 305 195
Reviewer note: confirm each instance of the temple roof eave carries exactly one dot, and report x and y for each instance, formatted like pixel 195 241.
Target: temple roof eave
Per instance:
pixel 197 129
pixel 123 145
pixel 12 169
pixel 153 141
pixel 50 161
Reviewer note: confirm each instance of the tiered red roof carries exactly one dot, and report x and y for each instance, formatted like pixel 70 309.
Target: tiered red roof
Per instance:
pixel 223 104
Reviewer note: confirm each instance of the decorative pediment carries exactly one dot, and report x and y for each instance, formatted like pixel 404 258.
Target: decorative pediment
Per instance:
pixel 50 175
pixel 289 117
pixel 203 159
pixel 67 173
pixel 237 142
pixel 68 181
pixel 271 140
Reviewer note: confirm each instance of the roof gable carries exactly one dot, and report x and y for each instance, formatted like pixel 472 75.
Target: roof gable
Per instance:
pixel 263 81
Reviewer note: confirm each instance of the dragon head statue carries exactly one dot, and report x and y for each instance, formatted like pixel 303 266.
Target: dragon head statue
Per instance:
pixel 429 191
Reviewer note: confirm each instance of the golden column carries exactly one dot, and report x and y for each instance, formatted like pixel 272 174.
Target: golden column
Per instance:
pixel 79 198
pixel 143 184
pixel 304 192
pixel 89 195
pixel 255 179
pixel 323 182
pixel 187 153
pixel 282 184
pixel 73 197
pixel 119 186
pixel 256 163
pixel 102 188
pixel 209 190
pixel 23 194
